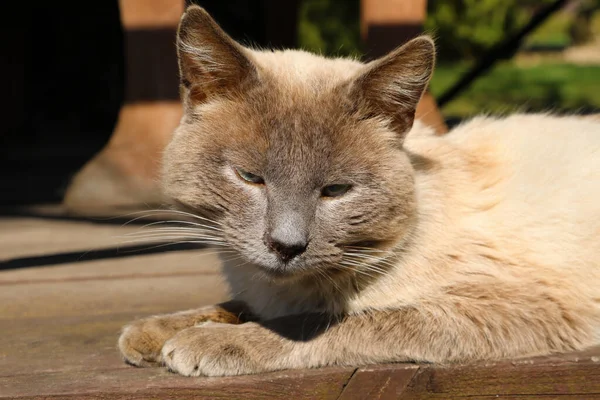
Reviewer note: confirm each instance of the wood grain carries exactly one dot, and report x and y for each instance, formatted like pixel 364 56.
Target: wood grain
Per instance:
pixel 138 383
pixel 379 382
pixel 59 326
pixel 552 379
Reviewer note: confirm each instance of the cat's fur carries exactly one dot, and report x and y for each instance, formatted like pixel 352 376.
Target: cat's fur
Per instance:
pixel 480 244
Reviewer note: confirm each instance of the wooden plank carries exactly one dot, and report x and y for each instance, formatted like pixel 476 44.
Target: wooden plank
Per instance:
pixel 149 383
pixel 201 262
pixel 61 344
pixel 391 12
pixel 571 374
pixel 379 382
pixel 137 295
pixel 20 237
pixel 147 14
pixel 534 377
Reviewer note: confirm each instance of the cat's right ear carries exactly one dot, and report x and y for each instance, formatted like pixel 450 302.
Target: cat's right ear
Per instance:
pixel 392 86
pixel 210 62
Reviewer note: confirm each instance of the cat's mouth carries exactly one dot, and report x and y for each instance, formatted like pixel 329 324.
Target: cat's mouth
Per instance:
pixel 348 254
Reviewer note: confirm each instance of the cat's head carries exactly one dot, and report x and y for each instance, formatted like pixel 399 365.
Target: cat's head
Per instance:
pixel 298 159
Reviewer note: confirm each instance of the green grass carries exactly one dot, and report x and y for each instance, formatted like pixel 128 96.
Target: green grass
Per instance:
pixel 552 33
pixel 508 88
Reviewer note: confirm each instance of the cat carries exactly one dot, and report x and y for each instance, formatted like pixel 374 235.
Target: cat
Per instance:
pixel 364 237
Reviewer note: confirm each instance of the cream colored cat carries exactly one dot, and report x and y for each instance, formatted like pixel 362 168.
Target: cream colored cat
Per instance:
pixel 365 238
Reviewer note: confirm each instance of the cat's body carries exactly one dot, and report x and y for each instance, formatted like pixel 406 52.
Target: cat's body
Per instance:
pixel 513 200
pixel 364 238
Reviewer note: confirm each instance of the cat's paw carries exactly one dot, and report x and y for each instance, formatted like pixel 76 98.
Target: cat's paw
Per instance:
pixel 141 341
pixel 214 349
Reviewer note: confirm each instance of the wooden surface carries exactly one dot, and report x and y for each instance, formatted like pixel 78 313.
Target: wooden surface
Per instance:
pixel 59 324
pixel 391 12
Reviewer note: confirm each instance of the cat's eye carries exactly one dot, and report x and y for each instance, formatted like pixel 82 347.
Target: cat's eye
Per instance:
pixel 335 190
pixel 249 177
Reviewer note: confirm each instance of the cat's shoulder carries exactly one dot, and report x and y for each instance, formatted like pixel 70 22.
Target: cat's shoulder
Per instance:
pixel 526 125
pixel 524 131
pixel 511 137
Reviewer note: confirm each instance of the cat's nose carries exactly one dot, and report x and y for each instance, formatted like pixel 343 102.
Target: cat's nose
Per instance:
pixel 285 250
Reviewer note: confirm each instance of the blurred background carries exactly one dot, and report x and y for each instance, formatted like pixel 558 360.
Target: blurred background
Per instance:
pixel 73 72
pixel 556 67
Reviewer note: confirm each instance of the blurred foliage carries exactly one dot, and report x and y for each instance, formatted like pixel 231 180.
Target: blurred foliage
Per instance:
pixel 463 28
pixel 552 34
pixel 595 24
pixel 330 27
pixel 582 30
pixel 466 28
pixel 510 88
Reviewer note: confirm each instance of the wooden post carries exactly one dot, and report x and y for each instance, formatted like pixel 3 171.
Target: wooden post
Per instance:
pixel 125 172
pixel 386 24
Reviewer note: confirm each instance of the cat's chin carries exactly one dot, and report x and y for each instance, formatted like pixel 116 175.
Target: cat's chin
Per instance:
pixel 282 272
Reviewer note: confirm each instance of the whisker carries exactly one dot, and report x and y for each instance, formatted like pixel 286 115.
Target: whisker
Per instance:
pixel 179 212
pixel 219 252
pixel 167 236
pixel 323 275
pixel 354 269
pixel 152 247
pixel 364 271
pixel 171 232
pixel 368 249
pixel 180 228
pixel 150 213
pixel 173 222
pixel 182 241
pixel 376 260
pixel 365 266
pixel 237 257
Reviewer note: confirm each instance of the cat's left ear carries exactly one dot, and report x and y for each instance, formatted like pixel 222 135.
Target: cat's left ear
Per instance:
pixel 392 86
pixel 210 62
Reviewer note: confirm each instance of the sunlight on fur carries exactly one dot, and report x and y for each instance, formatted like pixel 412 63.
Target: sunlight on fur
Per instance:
pixel 480 244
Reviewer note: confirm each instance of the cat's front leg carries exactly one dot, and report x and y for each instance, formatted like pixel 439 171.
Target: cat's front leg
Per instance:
pixel 214 349
pixel 141 341
pixel 464 328
pixel 291 342
pixel 306 341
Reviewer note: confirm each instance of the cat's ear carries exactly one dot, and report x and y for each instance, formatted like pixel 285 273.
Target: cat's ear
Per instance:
pixel 391 86
pixel 210 62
